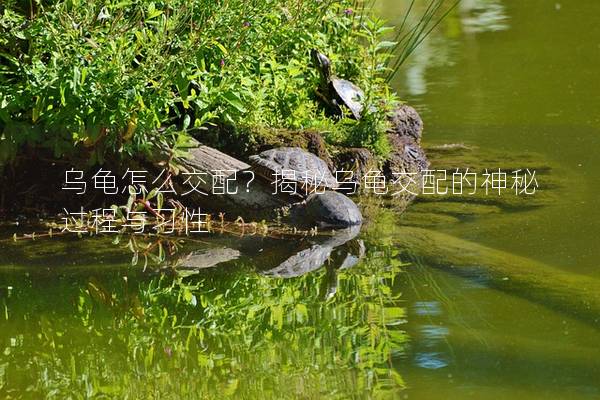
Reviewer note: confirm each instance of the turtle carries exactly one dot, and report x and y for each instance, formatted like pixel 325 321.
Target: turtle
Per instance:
pixel 294 165
pixel 337 92
pixel 329 210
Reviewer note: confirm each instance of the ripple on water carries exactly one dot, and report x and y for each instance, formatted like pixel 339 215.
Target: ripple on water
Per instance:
pixel 431 308
pixel 430 360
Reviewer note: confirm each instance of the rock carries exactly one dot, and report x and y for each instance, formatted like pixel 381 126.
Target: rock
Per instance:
pixel 357 160
pixel 407 157
pixel 406 121
pixel 407 160
pixel 316 145
pixel 404 169
pixel 328 210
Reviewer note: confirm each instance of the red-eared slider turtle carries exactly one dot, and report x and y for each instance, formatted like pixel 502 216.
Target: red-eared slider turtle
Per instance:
pixel 293 164
pixel 337 92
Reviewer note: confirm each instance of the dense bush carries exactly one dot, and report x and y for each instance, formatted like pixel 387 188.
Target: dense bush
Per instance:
pixel 101 77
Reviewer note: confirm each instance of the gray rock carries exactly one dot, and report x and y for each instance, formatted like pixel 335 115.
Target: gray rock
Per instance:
pixel 330 210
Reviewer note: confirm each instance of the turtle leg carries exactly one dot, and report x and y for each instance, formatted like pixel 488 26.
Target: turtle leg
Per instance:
pixel 332 104
pixel 323 98
pixel 338 109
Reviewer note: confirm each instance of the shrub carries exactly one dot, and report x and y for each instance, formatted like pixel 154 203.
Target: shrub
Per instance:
pixel 94 78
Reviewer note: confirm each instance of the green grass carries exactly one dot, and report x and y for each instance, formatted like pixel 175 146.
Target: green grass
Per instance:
pixel 86 80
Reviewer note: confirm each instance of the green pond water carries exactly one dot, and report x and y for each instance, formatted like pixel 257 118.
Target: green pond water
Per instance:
pixel 364 314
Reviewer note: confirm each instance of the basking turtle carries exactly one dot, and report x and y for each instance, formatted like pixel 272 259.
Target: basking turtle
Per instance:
pixel 294 165
pixel 328 210
pixel 337 92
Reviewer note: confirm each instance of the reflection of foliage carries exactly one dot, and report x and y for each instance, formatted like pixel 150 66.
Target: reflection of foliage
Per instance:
pixel 215 336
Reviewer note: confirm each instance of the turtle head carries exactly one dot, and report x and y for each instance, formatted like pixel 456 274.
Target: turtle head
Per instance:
pixel 322 63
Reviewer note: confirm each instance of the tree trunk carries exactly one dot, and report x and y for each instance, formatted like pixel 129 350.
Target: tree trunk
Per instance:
pixel 248 195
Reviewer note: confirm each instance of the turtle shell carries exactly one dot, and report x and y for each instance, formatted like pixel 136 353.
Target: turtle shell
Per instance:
pixel 308 170
pixel 351 95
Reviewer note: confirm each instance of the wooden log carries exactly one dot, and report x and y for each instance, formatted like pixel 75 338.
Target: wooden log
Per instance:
pixel 570 293
pixel 200 168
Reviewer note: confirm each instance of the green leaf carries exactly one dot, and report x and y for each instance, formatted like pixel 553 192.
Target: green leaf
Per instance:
pixel 221 47
pixel 234 100
pixel 384 45
pixel 186 121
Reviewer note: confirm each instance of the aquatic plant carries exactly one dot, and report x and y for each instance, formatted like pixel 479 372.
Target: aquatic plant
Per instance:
pixel 408 37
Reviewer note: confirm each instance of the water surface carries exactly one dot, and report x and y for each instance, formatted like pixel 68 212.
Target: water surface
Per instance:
pixel 520 76
pixel 357 314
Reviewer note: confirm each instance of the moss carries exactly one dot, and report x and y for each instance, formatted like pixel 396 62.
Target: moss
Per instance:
pixel 477 160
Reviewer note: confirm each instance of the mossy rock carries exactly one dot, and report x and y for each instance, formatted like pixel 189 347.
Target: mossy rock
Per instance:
pixel 359 161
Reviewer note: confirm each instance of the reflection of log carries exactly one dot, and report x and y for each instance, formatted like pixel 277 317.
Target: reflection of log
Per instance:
pixel 558 366
pixel 566 292
pixel 208 258
pixel 525 352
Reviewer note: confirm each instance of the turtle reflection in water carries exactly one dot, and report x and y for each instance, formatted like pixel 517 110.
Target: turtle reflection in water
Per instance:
pixel 340 251
pixel 282 258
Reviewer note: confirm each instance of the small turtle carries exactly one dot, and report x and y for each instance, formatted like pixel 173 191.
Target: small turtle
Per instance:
pixel 337 92
pixel 294 165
